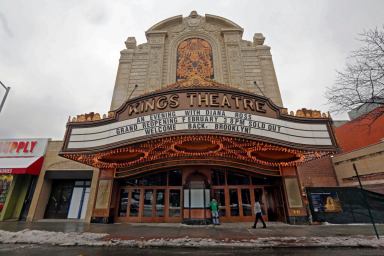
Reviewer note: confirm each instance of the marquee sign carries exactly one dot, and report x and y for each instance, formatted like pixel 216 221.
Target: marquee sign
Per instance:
pixel 200 120
pixel 197 107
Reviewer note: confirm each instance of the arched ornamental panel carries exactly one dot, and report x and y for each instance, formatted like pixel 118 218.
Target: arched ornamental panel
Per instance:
pixel 194 57
pixel 198 121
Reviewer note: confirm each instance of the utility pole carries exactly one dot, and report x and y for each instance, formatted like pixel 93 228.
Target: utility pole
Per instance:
pixel 5 96
pixel 365 201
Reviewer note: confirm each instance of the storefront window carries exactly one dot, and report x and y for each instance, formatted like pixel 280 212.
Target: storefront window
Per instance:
pixel 160 202
pixel 246 202
pixel 123 206
pixel 259 198
pixel 157 179
pixel 5 183
pixel 218 177
pixel 258 194
pixel 60 199
pixel 234 202
pixel 174 178
pixel 237 179
pixel 219 195
pixel 174 203
pixel 257 180
pixel 148 199
pixel 135 203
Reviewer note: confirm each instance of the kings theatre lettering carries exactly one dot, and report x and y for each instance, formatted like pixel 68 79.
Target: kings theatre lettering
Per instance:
pixel 198 100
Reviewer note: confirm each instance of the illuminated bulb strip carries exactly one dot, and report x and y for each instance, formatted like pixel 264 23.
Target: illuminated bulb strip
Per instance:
pixel 237 149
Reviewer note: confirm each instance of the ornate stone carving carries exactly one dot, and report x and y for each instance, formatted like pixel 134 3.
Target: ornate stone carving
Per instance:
pixel 210 27
pixel 130 43
pixel 197 81
pixel 310 113
pixel 194 19
pixel 194 57
pixel 258 39
pixel 88 117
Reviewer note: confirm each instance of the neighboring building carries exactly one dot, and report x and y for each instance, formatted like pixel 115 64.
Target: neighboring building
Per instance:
pixel 64 190
pixel 362 143
pixel 196 114
pixel 20 164
pixel 338 123
pixel 366 108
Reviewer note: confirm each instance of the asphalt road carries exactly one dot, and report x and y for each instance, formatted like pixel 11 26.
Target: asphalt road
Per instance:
pixel 35 250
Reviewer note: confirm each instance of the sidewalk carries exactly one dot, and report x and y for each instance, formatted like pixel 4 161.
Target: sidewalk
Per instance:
pixel 179 235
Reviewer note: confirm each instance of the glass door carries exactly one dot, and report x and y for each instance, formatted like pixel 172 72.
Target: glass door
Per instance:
pixel 246 203
pixel 59 200
pixel 174 203
pixel 160 203
pixel 234 202
pixel 148 203
pixel 123 204
pixel 219 195
pixel 134 206
pixel 275 204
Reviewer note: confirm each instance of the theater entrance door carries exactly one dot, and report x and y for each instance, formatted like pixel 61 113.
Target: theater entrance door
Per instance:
pixel 196 200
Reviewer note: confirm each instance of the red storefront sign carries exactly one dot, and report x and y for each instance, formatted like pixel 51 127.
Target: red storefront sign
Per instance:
pixel 22 156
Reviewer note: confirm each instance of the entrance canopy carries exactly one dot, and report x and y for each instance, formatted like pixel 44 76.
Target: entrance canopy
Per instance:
pixel 202 121
pixel 21 165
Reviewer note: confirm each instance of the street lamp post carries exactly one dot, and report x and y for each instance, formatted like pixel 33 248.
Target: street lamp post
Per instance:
pixel 5 96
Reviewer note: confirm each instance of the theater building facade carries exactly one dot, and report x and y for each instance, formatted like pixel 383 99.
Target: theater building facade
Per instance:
pixel 197 114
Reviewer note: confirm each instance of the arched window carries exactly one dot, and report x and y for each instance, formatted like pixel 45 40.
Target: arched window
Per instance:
pixel 194 57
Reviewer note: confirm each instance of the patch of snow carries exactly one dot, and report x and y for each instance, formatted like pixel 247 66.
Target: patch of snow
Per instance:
pixel 47 237
pixel 347 224
pixel 27 236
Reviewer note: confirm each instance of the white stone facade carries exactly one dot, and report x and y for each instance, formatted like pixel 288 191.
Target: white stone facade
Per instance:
pixel 237 62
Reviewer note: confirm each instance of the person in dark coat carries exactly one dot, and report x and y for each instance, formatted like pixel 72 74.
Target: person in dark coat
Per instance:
pixel 259 215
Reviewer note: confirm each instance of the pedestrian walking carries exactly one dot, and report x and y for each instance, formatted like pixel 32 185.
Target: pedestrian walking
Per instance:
pixel 259 214
pixel 215 212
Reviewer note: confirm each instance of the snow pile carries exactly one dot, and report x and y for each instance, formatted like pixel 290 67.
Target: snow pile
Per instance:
pixel 27 236
pixel 265 242
pixel 52 238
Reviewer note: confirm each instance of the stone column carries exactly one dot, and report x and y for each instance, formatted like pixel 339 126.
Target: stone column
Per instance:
pixel 122 90
pixel 101 211
pixel 232 39
pixel 271 87
pixel 156 41
pixel 296 209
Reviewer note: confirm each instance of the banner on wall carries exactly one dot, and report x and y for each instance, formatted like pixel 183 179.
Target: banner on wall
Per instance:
pixel 327 202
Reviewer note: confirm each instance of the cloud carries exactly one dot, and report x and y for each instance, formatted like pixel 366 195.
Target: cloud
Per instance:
pixel 4 25
pixel 61 57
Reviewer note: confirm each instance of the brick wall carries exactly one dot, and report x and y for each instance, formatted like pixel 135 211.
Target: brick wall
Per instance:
pixel 317 173
pixel 361 132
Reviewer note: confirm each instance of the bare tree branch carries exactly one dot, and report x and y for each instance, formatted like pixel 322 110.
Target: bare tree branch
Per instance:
pixel 362 80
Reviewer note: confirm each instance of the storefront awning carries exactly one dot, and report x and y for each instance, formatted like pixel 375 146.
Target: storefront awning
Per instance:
pixel 21 165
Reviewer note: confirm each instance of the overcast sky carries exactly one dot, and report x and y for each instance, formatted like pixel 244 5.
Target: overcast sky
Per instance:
pixel 60 57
